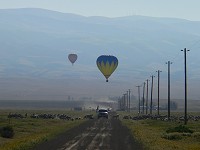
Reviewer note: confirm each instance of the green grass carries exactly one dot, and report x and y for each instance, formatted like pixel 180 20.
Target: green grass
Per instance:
pixel 29 132
pixel 152 134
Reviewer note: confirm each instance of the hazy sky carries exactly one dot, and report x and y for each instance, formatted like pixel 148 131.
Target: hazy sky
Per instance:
pixel 186 9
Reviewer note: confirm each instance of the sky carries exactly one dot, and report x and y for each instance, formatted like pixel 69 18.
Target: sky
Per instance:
pixel 185 9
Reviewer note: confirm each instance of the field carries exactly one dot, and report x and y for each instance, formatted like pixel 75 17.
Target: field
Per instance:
pixel 31 131
pixel 152 133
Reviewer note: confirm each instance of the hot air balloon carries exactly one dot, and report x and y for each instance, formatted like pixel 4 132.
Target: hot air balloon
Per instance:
pixel 72 58
pixel 107 65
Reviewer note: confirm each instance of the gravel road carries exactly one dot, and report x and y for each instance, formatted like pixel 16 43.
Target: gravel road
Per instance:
pixel 95 134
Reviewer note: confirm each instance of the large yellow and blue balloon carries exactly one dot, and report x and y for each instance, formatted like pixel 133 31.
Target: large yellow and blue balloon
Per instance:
pixel 107 65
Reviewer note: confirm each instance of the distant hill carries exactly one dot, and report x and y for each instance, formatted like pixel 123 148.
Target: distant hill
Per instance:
pixel 35 43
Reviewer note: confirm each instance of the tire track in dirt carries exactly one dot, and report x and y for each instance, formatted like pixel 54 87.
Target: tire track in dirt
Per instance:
pixel 94 138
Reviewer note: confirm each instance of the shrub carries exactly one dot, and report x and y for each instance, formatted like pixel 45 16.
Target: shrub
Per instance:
pixel 180 129
pixel 7 132
pixel 196 135
pixel 186 134
pixel 172 136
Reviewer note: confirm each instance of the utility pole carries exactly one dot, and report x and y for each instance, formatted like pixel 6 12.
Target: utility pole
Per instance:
pixel 138 98
pixel 147 96
pixel 127 101
pixel 169 63
pixel 119 103
pixel 129 97
pixel 185 62
pixel 143 98
pixel 158 91
pixel 151 93
pixel 124 102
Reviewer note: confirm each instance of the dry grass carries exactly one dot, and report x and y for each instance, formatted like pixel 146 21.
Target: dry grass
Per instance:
pixel 29 132
pixel 151 134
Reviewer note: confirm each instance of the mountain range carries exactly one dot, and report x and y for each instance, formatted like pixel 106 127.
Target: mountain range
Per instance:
pixel 35 44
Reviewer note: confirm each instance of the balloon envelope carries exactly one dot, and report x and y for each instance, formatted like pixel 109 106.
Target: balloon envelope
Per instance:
pixel 72 58
pixel 107 65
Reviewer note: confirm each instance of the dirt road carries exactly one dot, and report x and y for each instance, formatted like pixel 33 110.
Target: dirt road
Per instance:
pixel 96 134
